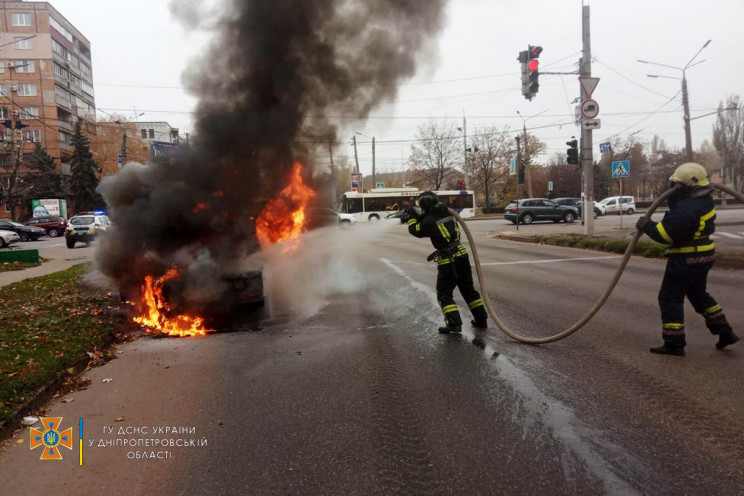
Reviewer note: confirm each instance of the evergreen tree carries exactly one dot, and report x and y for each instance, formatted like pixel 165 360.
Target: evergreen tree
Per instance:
pixel 83 182
pixel 43 177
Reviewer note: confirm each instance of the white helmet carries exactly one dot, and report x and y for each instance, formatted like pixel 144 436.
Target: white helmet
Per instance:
pixel 690 174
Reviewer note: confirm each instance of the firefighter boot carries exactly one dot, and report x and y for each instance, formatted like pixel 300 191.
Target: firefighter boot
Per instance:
pixel 449 329
pixel 669 349
pixel 725 339
pixel 479 324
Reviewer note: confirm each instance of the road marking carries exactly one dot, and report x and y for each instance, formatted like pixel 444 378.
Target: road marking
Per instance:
pixel 549 261
pixel 729 235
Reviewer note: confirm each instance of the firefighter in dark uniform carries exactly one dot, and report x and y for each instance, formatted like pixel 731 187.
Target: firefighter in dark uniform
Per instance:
pixel 687 227
pixel 453 262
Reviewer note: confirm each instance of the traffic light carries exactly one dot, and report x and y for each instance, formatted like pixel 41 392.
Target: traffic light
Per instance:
pixel 523 58
pixel 572 152
pixel 533 53
pixel 462 185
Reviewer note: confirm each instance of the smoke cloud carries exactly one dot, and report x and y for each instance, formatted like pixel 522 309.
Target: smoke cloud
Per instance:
pixel 271 87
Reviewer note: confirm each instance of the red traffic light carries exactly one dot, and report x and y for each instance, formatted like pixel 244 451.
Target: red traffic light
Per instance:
pixel 532 66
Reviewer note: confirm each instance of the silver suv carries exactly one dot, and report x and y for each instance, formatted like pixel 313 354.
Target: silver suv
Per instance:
pixel 85 227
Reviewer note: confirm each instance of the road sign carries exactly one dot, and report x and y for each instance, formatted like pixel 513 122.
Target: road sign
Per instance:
pixel 605 147
pixel 589 109
pixel 513 167
pixel 354 181
pixel 591 123
pixel 588 84
pixel 380 185
pixel 550 185
pixel 121 159
pixel 621 168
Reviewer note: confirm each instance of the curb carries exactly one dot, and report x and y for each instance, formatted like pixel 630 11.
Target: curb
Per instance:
pixel 723 260
pixel 45 393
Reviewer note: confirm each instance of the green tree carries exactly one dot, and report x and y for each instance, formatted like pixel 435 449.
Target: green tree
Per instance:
pixel 84 181
pixel 43 178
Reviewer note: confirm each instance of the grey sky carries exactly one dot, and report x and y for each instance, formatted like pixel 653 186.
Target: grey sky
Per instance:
pixel 136 44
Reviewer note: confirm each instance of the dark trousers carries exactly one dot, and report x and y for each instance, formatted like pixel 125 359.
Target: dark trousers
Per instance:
pixel 458 274
pixel 688 276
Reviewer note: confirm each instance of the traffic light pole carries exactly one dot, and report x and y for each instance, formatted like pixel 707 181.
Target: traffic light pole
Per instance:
pixel 587 159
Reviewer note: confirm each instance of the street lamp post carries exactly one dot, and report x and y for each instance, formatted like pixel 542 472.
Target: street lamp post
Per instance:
pixel 373 157
pixel 685 97
pixel 527 172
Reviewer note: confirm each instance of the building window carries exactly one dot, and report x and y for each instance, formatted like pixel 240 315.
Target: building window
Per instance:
pixel 20 19
pixel 63 93
pixel 85 70
pixel 26 89
pixel 61 71
pixel 3 113
pixel 25 66
pixel 23 43
pixel 143 132
pixel 31 112
pixel 32 135
pixel 3 90
pixel 152 133
pixel 2 66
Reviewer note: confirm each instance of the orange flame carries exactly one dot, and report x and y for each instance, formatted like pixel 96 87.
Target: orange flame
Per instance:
pixel 200 206
pixel 283 218
pixel 154 316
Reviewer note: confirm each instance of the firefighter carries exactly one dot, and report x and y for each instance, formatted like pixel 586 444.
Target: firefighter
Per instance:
pixel 453 263
pixel 687 227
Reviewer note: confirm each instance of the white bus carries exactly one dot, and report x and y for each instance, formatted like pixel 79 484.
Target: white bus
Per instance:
pixel 379 203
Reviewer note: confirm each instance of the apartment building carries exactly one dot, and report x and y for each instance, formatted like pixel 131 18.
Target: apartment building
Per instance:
pixel 46 78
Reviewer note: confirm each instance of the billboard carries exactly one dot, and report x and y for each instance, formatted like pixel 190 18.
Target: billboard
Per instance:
pixel 49 207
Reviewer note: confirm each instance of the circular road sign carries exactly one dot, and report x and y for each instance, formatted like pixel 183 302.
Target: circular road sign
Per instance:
pixel 589 109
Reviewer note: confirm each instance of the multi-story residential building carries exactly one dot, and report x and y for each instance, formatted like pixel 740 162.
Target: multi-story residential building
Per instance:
pixel 159 131
pixel 46 79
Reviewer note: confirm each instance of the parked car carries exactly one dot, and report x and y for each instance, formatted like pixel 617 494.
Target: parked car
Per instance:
pixel 85 227
pixel 322 216
pixel 26 233
pixel 614 204
pixel 599 209
pixel 54 225
pixel 532 209
pixel 8 238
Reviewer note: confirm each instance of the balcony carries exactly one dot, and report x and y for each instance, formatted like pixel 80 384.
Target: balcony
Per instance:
pixel 66 126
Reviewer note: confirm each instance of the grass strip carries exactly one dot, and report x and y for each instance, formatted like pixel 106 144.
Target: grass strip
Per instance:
pixel 47 324
pixel 642 248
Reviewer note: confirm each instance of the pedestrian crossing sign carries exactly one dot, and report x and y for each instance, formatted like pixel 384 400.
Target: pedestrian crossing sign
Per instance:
pixel 621 168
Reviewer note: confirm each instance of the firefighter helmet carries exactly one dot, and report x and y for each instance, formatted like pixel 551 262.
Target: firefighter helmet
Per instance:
pixel 690 174
pixel 428 200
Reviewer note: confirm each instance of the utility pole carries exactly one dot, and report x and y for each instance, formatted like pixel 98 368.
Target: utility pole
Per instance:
pixel 587 159
pixel 519 172
pixel 333 172
pixel 527 172
pixel 465 151
pixel 356 157
pixel 124 145
pixel 373 163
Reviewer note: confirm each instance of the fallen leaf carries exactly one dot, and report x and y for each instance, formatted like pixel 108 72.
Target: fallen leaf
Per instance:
pixel 106 380
pixel 13 374
pixel 119 419
pixel 67 400
pixel 19 441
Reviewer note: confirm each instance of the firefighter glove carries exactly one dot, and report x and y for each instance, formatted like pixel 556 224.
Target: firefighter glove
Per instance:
pixel 411 213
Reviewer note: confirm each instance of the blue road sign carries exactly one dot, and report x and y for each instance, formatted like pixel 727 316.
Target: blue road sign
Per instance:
pixel 605 147
pixel 513 166
pixel 621 168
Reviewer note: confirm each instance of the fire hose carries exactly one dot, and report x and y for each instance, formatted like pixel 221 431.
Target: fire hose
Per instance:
pixel 600 301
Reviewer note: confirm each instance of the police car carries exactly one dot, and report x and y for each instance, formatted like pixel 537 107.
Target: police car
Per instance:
pixel 84 227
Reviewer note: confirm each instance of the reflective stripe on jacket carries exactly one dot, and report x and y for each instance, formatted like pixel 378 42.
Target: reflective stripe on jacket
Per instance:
pixel 686 227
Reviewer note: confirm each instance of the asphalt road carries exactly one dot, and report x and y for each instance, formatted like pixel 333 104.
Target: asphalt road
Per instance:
pixel 347 388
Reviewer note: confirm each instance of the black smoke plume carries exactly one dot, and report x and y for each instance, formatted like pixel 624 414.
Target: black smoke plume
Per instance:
pixel 270 87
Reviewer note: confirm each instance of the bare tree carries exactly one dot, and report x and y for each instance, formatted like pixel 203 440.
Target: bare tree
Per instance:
pixel 488 161
pixel 531 149
pixel 728 138
pixel 433 159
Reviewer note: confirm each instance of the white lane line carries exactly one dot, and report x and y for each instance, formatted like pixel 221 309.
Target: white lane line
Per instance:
pixel 550 261
pixel 729 235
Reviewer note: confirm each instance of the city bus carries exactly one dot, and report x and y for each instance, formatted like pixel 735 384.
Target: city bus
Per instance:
pixel 379 203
